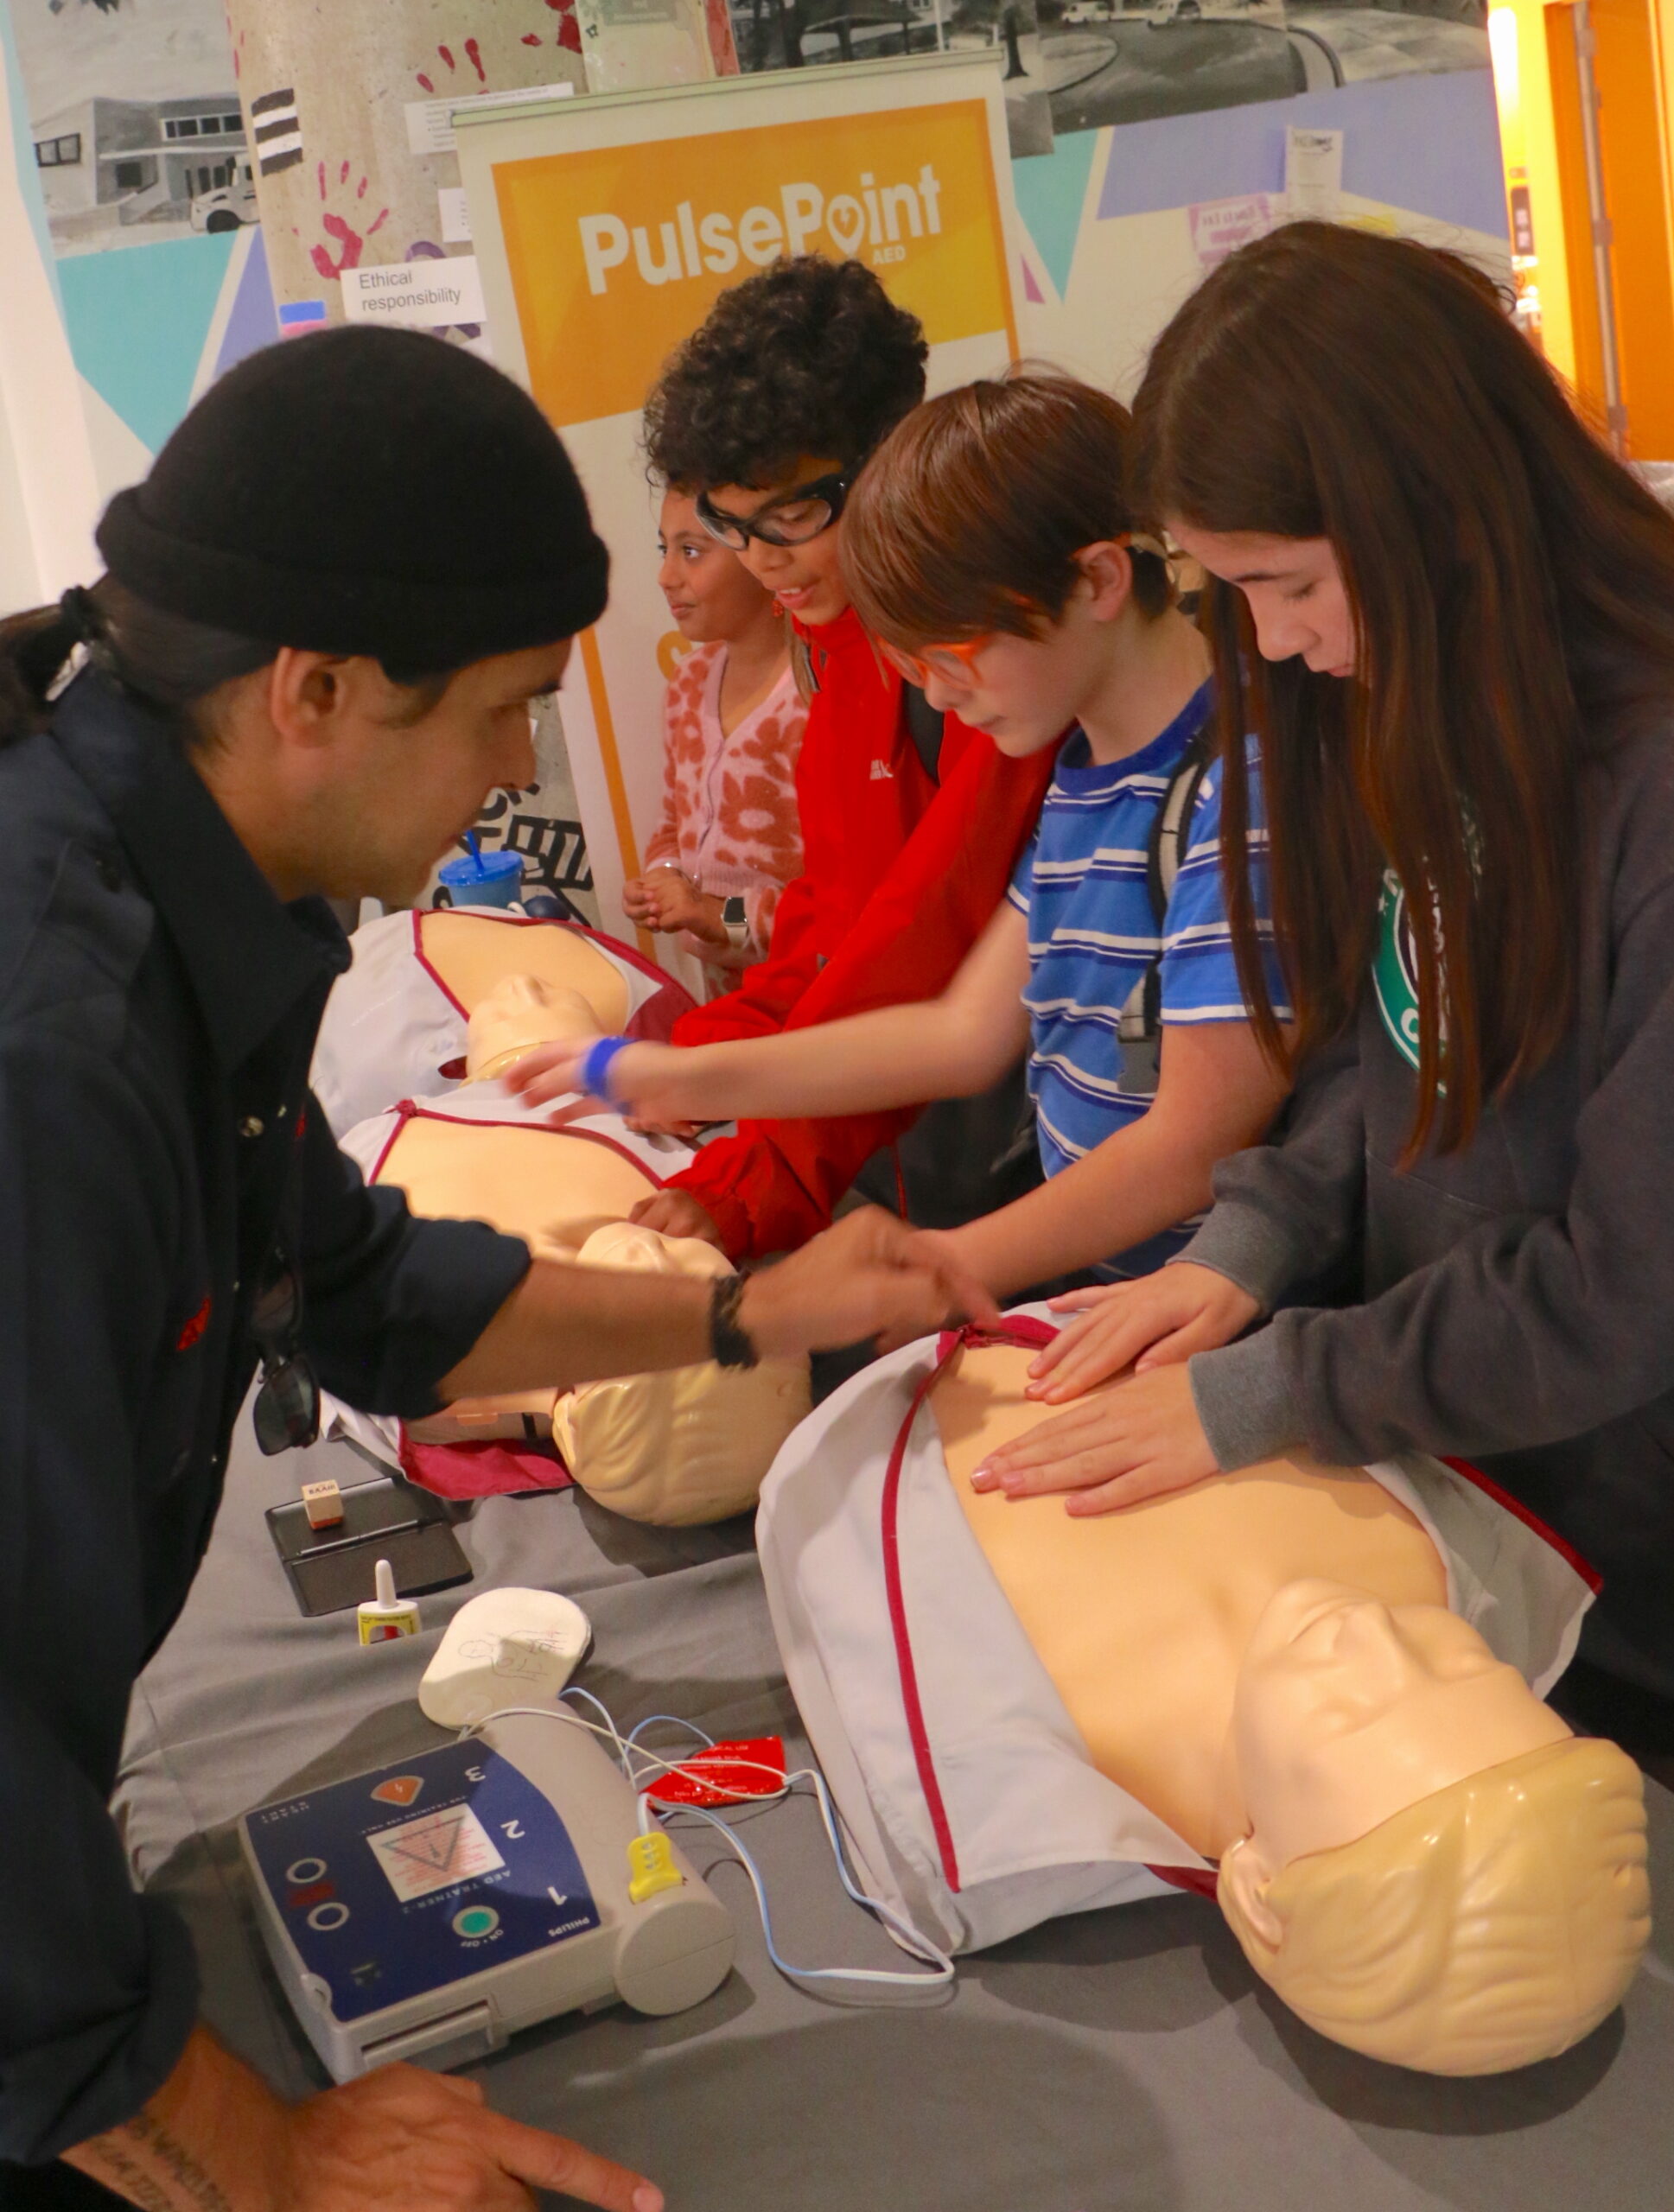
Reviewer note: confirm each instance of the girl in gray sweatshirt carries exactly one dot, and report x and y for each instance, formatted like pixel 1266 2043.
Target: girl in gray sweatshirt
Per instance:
pixel 1447 613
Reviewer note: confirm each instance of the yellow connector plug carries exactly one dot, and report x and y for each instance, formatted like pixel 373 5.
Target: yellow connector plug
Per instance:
pixel 651 1866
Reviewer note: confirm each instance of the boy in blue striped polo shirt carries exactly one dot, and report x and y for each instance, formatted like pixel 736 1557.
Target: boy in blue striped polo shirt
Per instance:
pixel 1086 887
pixel 994 521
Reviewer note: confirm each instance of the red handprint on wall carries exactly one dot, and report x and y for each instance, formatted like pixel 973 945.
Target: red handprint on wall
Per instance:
pixel 347 232
pixel 566 34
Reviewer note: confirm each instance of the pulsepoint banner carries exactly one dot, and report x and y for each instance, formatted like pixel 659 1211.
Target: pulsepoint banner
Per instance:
pixel 607 228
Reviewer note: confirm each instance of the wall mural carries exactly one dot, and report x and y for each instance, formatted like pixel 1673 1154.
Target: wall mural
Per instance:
pixel 810 34
pixel 1107 63
pixel 135 120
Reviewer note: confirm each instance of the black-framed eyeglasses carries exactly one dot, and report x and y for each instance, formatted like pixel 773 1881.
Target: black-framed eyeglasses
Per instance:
pixel 792 518
pixel 286 1409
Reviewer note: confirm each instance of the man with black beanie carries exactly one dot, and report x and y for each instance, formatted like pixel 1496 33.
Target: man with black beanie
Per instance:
pixel 327 611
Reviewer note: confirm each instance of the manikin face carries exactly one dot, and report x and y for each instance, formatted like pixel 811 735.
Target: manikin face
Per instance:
pixel 710 593
pixel 1294 588
pixel 806 579
pixel 1347 1711
pixel 387 799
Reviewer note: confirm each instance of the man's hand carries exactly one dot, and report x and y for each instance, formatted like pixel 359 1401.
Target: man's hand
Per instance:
pixel 402 2140
pixel 1155 1322
pixel 869 1277
pixel 1138 1440
pixel 676 1213
pixel 399 2139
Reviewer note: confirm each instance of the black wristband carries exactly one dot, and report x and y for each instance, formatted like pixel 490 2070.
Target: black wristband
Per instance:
pixel 729 1346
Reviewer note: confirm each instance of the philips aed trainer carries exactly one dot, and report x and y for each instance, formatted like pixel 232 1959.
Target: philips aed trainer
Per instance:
pixel 428 1910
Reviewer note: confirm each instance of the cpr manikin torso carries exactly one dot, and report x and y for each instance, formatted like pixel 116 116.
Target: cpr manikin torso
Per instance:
pixel 1413 1850
pixel 1151 1682
pixel 691 1445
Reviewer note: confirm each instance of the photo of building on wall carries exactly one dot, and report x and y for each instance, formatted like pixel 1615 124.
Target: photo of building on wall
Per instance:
pixel 176 164
pixel 1107 63
pixel 810 34
pixel 134 120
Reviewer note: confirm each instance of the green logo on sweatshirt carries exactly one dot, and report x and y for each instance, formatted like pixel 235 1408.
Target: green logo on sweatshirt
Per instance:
pixel 1394 971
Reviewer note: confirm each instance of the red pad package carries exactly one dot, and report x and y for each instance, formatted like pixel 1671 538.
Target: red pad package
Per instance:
pixel 726 1775
pixel 487 1466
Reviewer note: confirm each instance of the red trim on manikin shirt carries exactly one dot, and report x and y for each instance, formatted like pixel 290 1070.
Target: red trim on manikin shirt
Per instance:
pixel 610 945
pixel 1588 1573
pixel 1024 1331
pixel 1198 1881
pixel 402 1113
pixel 409 1111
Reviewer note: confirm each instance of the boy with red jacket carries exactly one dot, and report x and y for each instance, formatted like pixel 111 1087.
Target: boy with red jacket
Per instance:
pixel 911 822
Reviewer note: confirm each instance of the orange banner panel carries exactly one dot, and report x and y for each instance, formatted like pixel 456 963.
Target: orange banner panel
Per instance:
pixel 617 253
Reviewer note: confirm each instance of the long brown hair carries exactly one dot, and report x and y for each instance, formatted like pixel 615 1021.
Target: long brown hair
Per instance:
pixel 969 517
pixel 1509 581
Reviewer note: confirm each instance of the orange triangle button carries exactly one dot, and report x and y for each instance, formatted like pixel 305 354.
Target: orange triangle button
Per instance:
pixel 399 1789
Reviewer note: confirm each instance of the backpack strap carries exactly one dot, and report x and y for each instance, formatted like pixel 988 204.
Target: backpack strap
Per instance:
pixel 924 727
pixel 1139 1027
pixel 1169 830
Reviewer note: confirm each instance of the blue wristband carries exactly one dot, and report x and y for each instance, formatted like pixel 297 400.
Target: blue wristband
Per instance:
pixel 595 1068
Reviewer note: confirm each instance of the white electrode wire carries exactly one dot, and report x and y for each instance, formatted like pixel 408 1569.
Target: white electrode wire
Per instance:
pixel 604 1712
pixel 673 1721
pixel 941 1966
pixel 919 1946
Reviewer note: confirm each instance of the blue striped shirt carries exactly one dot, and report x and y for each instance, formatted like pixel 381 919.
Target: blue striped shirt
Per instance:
pixel 1082 883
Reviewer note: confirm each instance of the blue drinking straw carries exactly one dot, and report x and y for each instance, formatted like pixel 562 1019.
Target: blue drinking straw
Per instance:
pixel 471 847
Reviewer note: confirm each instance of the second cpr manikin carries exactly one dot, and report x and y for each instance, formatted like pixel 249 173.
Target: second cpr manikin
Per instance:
pixel 450 1002
pixel 1323 1685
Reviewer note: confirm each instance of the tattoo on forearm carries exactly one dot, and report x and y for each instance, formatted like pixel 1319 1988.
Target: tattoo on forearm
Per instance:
pixel 118 2170
pixel 192 2189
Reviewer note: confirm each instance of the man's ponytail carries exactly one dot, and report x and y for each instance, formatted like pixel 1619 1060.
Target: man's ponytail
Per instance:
pixel 34 646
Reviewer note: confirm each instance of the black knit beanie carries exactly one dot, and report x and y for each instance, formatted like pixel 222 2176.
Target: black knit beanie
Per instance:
pixel 364 490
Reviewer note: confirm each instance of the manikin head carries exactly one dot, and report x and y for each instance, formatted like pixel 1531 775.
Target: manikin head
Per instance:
pixel 688 1446
pixel 993 550
pixel 519 1013
pixel 1437 1873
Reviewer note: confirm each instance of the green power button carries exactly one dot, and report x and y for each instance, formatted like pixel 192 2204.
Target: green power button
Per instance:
pixel 476 1920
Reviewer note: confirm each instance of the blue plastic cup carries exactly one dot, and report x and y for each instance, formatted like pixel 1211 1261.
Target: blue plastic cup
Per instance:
pixel 495 880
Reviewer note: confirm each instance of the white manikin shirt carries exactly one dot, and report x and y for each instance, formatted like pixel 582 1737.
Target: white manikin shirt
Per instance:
pixel 968 1795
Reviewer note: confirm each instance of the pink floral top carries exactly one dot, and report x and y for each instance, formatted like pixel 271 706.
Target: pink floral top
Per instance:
pixel 730 817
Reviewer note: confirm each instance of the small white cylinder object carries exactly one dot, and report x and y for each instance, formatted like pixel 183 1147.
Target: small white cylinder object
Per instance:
pixel 386 1616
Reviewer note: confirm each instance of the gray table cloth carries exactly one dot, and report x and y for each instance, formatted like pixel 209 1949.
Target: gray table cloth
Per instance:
pixel 1125 2061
